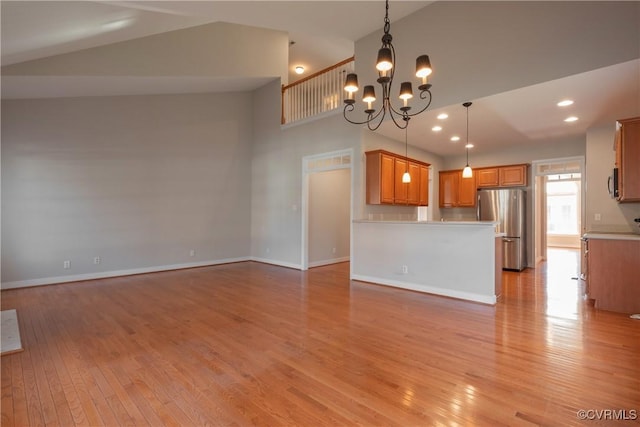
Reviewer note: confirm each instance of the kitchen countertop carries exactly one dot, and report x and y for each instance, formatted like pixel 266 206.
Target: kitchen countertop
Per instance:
pixel 436 223
pixel 604 235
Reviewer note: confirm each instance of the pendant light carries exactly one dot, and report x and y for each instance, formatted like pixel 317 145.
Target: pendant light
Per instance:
pixel 467 172
pixel 406 176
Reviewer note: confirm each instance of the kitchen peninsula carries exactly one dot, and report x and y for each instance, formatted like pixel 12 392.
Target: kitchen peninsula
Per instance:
pixel 456 259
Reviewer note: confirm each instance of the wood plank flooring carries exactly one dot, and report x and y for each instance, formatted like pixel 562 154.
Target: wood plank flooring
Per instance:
pixel 254 344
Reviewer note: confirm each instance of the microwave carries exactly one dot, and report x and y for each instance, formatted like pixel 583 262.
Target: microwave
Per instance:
pixel 612 184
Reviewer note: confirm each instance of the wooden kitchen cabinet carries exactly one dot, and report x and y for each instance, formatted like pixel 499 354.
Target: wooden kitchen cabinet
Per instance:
pixel 384 180
pixel 487 177
pixel 612 274
pixel 627 145
pixel 456 191
pixel 423 197
pixel 513 176
pixel 502 176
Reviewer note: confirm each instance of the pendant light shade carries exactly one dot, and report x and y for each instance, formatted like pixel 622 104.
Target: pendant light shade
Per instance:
pixel 467 172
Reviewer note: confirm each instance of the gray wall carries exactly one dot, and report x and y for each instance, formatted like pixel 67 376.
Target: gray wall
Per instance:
pixel 480 48
pixel 139 181
pixel 276 219
pixel 329 216
pixel 599 164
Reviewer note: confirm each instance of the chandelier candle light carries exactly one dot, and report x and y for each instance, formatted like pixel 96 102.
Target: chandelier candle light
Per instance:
pixel 386 68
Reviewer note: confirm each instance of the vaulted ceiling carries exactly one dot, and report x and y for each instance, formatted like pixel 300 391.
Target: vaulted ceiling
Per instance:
pixel 319 33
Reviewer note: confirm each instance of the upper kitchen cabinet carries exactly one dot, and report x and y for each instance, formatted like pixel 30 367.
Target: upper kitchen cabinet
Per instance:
pixel 380 178
pixel 384 180
pixel 627 146
pixel 502 176
pixel 487 177
pixel 456 191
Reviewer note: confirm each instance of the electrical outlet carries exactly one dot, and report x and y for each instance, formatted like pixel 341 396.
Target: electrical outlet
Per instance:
pixel 192 252
pixel 268 250
pixel 97 260
pixel 66 264
pixel 597 217
pixel 405 269
pixel 333 250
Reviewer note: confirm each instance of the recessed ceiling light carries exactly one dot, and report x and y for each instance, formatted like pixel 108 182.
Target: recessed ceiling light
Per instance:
pixel 299 69
pixel 436 128
pixel 469 145
pixel 455 138
pixel 565 103
pixel 571 119
pixel 442 116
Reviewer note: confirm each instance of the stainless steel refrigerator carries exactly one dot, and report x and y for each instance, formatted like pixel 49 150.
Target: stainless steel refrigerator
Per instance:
pixel 507 206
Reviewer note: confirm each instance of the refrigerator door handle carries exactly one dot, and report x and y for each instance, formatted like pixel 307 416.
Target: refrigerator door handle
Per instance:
pixel 504 239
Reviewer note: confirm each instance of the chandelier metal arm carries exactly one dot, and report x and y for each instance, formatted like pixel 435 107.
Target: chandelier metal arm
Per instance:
pixel 422 96
pixel 386 74
pixel 371 117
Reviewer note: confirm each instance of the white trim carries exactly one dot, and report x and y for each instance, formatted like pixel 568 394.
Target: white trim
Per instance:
pixel 276 262
pixel 304 252
pixel 116 273
pixel 329 261
pixel 583 198
pixel 468 296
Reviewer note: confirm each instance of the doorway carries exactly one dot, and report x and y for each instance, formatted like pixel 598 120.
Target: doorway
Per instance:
pixel 558 206
pixel 326 208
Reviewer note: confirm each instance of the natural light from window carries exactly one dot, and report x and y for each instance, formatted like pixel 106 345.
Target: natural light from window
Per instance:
pixel 563 201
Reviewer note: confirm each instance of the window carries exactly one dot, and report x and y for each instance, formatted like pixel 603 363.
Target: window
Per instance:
pixel 563 202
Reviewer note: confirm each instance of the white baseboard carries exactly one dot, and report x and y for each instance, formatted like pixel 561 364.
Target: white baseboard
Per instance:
pixel 276 262
pixel 485 299
pixel 328 262
pixel 115 273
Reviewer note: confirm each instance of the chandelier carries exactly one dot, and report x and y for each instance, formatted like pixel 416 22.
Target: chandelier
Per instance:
pixel 386 68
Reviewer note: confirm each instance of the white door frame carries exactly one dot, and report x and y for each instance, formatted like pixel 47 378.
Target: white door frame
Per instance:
pixel 536 189
pixel 313 164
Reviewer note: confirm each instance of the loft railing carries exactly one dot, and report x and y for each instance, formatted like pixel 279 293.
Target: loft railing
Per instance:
pixel 315 94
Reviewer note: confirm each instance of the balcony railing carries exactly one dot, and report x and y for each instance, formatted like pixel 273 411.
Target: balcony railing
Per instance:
pixel 318 93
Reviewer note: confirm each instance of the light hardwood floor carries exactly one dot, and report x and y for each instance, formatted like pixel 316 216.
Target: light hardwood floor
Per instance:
pixel 250 343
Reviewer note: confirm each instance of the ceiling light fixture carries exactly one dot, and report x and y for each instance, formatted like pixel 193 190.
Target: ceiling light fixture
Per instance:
pixel 467 172
pixel 442 116
pixel 386 68
pixel 436 128
pixel 571 119
pixel 455 138
pixel 299 69
pixel 565 103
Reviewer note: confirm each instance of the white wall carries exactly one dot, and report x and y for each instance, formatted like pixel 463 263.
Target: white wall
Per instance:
pixel 204 50
pixel 329 216
pixel 277 175
pixel 138 181
pixel 480 48
pixel 599 164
